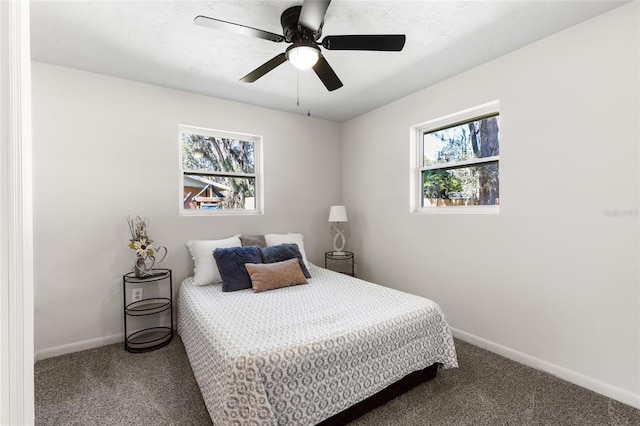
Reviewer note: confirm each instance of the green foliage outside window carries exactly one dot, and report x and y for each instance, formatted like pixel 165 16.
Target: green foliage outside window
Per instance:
pixel 438 183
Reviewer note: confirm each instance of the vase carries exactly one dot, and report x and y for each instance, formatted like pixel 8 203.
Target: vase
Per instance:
pixel 140 268
pixel 145 263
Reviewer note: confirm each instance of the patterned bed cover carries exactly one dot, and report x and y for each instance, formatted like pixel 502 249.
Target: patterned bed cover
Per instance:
pixel 298 355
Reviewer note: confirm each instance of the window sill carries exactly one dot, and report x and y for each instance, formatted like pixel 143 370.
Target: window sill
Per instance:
pixel 458 210
pixel 201 213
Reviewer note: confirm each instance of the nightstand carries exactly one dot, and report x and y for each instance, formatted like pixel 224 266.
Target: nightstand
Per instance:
pixel 343 263
pixel 149 338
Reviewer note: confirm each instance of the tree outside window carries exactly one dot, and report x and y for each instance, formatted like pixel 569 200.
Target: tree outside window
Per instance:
pixel 219 171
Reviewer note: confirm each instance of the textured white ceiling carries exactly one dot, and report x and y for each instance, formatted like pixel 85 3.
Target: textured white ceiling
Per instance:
pixel 157 42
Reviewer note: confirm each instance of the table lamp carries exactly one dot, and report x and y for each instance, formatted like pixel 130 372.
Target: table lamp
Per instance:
pixel 338 214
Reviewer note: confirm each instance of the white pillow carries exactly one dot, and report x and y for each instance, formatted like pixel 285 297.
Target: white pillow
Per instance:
pixel 205 270
pixel 290 238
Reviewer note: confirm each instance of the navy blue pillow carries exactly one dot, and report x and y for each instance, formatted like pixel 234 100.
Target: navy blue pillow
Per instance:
pixel 282 252
pixel 231 262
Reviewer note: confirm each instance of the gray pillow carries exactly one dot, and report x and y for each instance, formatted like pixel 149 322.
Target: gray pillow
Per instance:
pixel 282 252
pixel 253 240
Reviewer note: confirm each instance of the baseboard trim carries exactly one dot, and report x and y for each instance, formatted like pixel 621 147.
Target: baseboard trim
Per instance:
pixel 571 376
pixel 79 346
pixel 86 344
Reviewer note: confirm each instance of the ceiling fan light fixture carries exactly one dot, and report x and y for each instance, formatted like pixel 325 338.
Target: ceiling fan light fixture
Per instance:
pixel 303 57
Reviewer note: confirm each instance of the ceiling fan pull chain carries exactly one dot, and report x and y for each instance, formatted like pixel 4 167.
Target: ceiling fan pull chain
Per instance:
pixel 297 87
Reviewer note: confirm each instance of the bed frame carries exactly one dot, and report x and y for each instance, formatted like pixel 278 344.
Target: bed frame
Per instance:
pixel 396 389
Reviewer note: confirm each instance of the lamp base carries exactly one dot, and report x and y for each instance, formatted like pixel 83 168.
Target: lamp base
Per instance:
pixel 338 249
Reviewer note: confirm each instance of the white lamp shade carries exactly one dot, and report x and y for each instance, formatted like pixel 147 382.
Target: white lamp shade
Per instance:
pixel 338 214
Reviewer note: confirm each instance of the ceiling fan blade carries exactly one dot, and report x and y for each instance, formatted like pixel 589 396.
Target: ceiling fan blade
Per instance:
pixel 390 43
pixel 312 14
pixel 326 74
pixel 264 68
pixel 230 27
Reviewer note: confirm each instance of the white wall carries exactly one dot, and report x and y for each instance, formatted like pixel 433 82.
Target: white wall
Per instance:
pixel 553 279
pixel 105 148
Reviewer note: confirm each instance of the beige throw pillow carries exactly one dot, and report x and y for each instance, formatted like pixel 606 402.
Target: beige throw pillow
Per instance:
pixel 270 276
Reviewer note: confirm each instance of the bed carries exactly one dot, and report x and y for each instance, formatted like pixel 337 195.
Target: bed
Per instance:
pixel 308 354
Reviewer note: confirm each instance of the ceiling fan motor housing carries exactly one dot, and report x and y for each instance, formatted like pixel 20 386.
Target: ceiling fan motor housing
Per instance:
pixel 294 33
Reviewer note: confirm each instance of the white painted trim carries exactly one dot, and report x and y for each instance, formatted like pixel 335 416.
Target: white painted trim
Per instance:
pixel 16 218
pixel 458 210
pixel 465 163
pixel 492 107
pixel 90 344
pixel 614 392
pixel 80 346
pixel 212 213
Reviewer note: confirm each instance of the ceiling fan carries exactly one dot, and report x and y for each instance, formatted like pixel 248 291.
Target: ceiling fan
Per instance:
pixel 302 27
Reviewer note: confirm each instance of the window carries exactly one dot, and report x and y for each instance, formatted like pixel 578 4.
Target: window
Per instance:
pixel 457 164
pixel 220 172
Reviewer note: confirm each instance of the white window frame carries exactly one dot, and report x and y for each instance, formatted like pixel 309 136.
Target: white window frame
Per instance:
pixel 257 175
pixel 417 157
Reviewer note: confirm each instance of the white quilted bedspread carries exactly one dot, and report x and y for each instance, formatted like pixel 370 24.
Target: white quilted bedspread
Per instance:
pixel 298 355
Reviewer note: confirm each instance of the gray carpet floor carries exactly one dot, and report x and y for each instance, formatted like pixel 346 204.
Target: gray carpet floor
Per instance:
pixel 108 386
